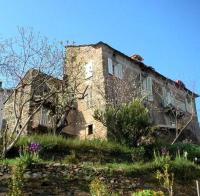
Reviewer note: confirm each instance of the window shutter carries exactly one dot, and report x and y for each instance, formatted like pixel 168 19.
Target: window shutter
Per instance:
pixel 89 98
pixel 189 105
pixel 88 70
pixel 120 73
pixel 116 70
pixel 164 96
pixel 149 89
pixel 110 66
pixel 44 117
pixel 144 84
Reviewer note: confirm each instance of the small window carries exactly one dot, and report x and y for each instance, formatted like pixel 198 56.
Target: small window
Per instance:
pixel 90 129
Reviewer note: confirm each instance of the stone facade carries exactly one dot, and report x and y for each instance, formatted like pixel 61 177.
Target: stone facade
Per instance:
pixel 27 97
pixel 4 93
pixel 112 77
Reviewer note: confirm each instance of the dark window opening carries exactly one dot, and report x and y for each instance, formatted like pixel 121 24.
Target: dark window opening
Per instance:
pixel 90 129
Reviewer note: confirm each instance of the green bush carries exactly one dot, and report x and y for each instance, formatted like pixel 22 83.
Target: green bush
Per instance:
pixel 193 150
pixel 160 160
pixel 126 123
pixel 184 169
pixel 148 193
pixel 98 188
pixel 17 180
pixel 71 158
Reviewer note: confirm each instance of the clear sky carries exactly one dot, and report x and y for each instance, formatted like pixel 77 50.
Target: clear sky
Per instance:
pixel 165 32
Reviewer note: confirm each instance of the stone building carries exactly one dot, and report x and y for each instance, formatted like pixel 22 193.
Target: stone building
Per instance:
pixel 31 92
pixel 4 93
pixel 109 76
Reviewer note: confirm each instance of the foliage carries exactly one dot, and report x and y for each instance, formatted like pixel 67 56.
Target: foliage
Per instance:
pixel 71 158
pixel 148 193
pixel 138 154
pixel 184 169
pixel 160 160
pixel 126 123
pixel 98 188
pixel 193 150
pixel 166 179
pixel 17 181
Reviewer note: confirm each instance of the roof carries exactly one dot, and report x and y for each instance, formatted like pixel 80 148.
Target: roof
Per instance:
pixel 139 63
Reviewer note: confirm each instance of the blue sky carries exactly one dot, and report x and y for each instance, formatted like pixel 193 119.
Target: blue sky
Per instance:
pixel 165 32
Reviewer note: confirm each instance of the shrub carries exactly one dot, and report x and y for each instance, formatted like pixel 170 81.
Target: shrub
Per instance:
pixel 71 158
pixel 184 169
pixel 148 193
pixel 138 154
pixel 29 154
pixel 161 160
pixel 17 181
pixel 166 179
pixel 126 123
pixel 193 150
pixel 98 188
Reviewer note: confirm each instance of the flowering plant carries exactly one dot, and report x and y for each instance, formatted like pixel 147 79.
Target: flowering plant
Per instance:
pixel 29 154
pixel 34 147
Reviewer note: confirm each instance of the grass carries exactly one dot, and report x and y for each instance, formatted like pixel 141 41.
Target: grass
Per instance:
pixel 180 166
pixel 8 162
pixel 49 141
pixel 95 149
pixel 183 169
pixel 193 150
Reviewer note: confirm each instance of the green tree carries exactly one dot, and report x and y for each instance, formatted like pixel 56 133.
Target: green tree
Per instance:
pixel 126 123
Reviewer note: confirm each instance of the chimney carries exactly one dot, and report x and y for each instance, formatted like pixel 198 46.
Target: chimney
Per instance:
pixel 137 57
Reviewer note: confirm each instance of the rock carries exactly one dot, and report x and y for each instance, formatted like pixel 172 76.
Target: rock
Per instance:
pixel 102 178
pixel 1 174
pixel 57 164
pixel 27 175
pixel 112 181
pixel 127 181
pixel 44 175
pixel 36 175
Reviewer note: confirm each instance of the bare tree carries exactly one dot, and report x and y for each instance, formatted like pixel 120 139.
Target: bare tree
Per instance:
pixel 23 61
pixel 34 68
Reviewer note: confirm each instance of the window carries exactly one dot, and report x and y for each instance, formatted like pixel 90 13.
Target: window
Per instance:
pixel 88 70
pixel 189 105
pixel 147 88
pixel 110 66
pixel 168 97
pixel 90 129
pixel 180 105
pixel 44 116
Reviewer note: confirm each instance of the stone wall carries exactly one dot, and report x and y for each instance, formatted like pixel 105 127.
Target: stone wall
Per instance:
pixel 74 180
pixel 81 119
